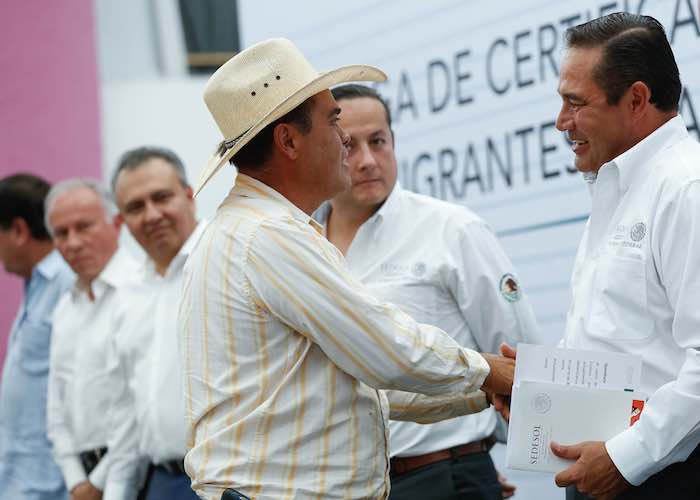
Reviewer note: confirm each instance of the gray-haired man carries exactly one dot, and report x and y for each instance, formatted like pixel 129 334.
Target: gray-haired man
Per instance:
pixel 80 215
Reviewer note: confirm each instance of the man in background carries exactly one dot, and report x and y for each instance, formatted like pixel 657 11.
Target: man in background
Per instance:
pixel 155 202
pixel 80 215
pixel 443 266
pixel 27 468
pixel 635 279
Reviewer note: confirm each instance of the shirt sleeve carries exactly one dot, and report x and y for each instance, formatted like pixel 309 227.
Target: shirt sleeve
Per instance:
pixel 412 407
pixel 64 449
pixel 98 476
pixel 488 292
pixel 298 276
pixel 126 467
pixel 669 429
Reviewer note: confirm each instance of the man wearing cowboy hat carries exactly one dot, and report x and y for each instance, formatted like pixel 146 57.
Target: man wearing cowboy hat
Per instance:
pixel 282 349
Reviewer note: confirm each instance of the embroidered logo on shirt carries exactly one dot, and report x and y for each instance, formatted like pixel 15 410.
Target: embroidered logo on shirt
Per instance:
pixel 510 288
pixel 638 231
pixel 418 269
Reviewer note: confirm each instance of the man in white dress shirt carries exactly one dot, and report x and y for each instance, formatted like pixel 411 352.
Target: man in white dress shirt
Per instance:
pixel 80 215
pixel 155 202
pixel 635 284
pixel 443 266
pixel 283 350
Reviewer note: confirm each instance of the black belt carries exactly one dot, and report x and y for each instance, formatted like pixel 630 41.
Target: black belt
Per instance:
pixel 173 467
pixel 91 458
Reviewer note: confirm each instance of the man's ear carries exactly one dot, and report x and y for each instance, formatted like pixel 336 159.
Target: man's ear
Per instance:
pixel 20 231
pixel 286 140
pixel 117 221
pixel 638 98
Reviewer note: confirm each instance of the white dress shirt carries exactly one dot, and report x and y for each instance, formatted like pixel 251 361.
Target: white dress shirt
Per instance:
pixel 80 383
pixel 148 411
pixel 442 265
pixel 283 351
pixel 636 289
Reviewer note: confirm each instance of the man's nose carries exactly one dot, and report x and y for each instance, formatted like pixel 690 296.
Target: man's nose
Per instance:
pixel 73 240
pixel 366 159
pixel 151 212
pixel 564 119
pixel 345 137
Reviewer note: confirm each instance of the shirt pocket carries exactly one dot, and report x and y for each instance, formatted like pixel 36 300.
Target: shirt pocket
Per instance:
pixel 35 342
pixel 619 309
pixel 419 298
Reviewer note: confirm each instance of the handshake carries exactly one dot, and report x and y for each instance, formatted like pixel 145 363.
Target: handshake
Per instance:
pixel 499 382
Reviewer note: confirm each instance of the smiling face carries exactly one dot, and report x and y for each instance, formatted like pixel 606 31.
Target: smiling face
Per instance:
pixel 158 210
pixel 83 232
pixel 371 159
pixel 599 131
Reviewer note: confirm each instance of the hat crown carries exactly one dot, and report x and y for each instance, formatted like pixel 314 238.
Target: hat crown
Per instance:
pixel 254 82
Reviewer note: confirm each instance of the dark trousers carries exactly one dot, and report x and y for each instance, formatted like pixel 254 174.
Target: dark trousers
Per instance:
pixel 165 486
pixel 680 481
pixel 471 477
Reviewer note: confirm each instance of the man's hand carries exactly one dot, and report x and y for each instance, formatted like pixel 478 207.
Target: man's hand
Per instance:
pixel 507 489
pixel 593 473
pixel 501 400
pixel 500 378
pixel 85 491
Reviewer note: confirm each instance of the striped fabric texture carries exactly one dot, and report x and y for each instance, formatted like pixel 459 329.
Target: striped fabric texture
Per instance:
pixel 283 352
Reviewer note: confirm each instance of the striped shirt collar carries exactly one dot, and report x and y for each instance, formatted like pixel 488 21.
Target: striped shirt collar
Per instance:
pixel 250 187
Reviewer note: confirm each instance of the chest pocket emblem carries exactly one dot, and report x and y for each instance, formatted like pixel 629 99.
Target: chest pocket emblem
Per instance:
pixel 510 289
pixel 638 231
pixel 418 269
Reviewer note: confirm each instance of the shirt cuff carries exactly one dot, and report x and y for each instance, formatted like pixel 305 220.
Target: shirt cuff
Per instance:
pixel 120 490
pixel 98 476
pixel 479 369
pixel 73 472
pixel 630 457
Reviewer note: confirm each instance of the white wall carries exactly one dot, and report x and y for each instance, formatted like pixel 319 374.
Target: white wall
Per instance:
pixel 147 98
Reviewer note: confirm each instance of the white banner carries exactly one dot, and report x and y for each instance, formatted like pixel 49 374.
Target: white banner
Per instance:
pixel 472 88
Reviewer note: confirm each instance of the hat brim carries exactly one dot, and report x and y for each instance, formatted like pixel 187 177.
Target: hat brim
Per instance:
pixel 326 80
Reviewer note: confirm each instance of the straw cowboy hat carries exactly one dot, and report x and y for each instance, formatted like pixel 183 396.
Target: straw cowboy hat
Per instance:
pixel 261 84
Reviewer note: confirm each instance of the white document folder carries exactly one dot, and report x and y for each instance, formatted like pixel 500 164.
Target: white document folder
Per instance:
pixel 543 412
pixel 568 396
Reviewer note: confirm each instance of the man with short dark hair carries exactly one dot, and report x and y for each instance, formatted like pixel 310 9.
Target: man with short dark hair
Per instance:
pixel 282 350
pixel 81 216
pixel 635 279
pixel 441 264
pixel 27 468
pixel 155 202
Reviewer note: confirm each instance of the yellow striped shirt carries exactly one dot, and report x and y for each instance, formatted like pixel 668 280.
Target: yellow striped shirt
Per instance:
pixel 283 352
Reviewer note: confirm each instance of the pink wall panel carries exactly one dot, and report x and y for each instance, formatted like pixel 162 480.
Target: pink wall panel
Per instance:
pixel 49 117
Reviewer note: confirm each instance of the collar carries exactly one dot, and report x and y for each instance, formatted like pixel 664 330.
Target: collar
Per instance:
pixel 184 252
pixel 390 206
pixel 116 272
pixel 634 162
pixel 249 187
pixel 49 266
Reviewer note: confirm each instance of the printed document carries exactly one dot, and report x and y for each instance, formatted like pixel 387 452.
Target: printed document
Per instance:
pixel 568 396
